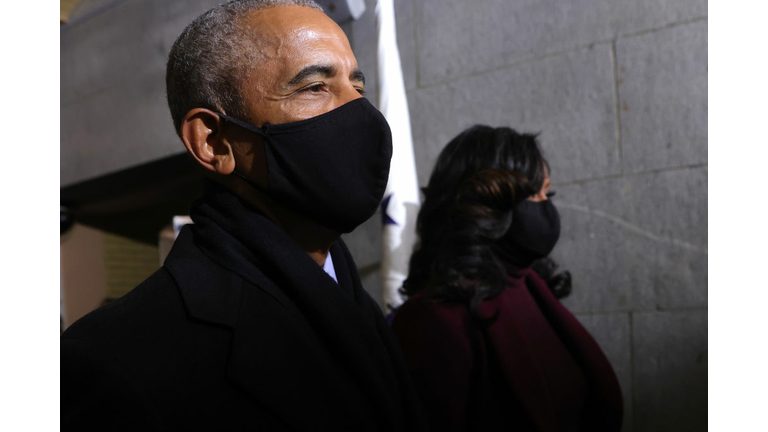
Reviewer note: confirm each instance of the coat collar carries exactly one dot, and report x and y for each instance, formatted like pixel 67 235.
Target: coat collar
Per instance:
pixel 210 292
pixel 298 339
pixel 271 342
pixel 604 405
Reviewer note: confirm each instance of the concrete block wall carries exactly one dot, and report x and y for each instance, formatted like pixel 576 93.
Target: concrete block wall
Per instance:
pixel 618 91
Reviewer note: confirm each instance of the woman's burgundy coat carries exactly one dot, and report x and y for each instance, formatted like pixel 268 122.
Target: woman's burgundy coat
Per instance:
pixel 534 369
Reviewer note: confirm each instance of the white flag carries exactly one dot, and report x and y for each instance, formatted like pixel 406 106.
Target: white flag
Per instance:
pixel 401 200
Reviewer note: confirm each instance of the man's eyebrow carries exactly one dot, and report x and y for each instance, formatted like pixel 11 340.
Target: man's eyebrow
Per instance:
pixel 357 75
pixel 311 71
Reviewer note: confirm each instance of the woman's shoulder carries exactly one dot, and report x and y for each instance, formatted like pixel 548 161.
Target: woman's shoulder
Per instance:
pixel 423 314
pixel 422 306
pixel 430 330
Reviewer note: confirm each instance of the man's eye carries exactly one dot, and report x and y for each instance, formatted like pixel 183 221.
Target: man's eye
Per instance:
pixel 360 90
pixel 314 88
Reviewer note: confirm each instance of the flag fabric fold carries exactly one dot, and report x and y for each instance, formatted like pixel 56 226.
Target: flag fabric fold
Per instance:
pixel 401 199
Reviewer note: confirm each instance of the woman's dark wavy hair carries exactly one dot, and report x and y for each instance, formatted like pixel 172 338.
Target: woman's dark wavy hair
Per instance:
pixel 477 180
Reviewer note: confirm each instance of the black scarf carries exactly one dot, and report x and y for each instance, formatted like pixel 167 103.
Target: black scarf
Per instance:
pixel 343 316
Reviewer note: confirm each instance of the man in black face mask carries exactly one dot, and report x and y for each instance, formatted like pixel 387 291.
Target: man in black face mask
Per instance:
pixel 257 320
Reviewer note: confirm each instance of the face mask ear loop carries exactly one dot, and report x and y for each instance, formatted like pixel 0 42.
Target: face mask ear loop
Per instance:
pixel 245 125
pixel 251 128
pixel 250 182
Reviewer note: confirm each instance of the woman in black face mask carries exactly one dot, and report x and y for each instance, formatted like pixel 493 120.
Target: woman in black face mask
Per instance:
pixel 487 343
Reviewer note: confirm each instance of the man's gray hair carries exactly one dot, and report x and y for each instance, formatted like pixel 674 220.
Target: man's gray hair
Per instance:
pixel 212 57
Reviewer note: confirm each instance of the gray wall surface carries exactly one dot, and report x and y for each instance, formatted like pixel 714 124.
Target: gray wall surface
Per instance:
pixel 618 90
pixel 114 113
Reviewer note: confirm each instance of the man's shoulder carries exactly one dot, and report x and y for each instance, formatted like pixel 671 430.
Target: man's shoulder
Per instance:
pixel 149 333
pixel 152 302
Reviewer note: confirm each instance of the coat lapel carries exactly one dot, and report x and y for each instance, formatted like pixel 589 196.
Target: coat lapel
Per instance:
pixel 301 342
pixel 278 359
pixel 210 292
pixel 274 352
pixel 510 345
pixel 604 406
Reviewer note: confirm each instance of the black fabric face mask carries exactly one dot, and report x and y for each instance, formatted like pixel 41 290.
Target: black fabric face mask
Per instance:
pixel 534 232
pixel 331 169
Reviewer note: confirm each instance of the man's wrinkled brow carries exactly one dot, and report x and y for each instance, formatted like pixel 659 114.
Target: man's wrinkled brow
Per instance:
pixel 325 71
pixel 310 71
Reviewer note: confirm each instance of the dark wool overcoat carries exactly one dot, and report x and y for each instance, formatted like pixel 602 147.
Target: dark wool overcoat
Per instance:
pixel 239 330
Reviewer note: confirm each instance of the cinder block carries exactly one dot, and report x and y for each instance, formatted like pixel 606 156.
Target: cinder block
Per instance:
pixel 681 278
pixel 568 98
pixel 611 271
pixel 635 243
pixel 663 97
pixel 670 371
pixel 612 333
pixel 445 34
pixel 91 64
pixel 457 37
pixel 117 128
pixel 364 242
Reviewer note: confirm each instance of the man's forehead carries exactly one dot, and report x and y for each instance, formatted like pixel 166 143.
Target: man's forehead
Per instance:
pixel 297 40
pixel 288 21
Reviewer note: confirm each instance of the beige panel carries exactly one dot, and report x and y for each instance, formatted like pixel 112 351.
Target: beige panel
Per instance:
pixel 83 276
pixel 127 263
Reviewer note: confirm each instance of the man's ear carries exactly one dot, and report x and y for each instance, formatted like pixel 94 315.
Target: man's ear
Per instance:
pixel 202 133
